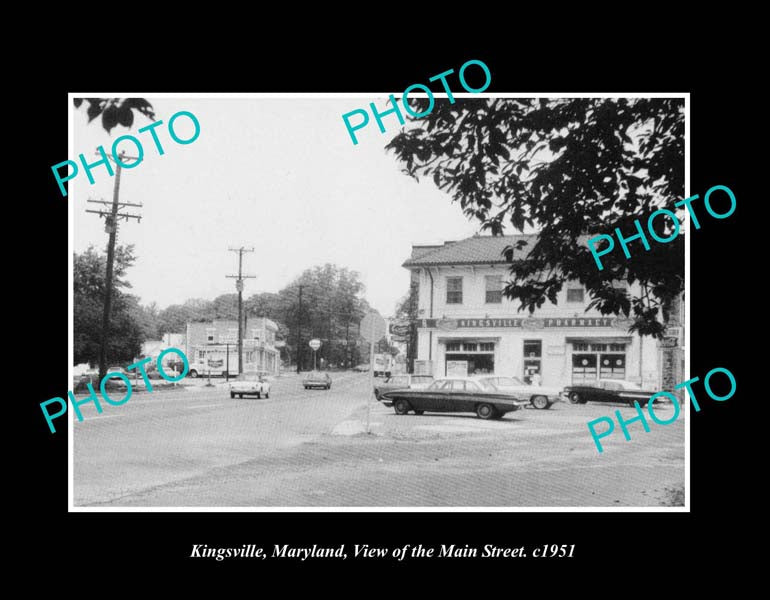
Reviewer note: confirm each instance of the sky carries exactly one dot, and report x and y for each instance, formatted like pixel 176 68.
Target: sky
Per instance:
pixel 280 175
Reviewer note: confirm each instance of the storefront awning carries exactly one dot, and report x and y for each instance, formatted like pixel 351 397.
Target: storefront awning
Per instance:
pixel 600 339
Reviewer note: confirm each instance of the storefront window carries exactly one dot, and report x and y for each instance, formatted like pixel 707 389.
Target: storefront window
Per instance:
pixel 598 361
pixel 583 368
pixel 478 363
pixel 612 366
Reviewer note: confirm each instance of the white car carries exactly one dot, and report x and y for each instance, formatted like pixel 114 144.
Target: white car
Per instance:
pixel 539 396
pixel 250 384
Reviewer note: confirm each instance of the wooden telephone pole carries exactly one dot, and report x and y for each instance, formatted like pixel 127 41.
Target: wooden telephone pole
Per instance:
pixel 111 226
pixel 239 286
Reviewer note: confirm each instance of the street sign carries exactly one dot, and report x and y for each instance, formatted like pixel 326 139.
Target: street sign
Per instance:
pixel 372 327
pixel 315 344
pixel 400 329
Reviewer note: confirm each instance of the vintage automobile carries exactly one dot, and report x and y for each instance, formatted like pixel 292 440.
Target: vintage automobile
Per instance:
pixel 317 379
pixel 455 394
pixel 402 382
pixel 539 396
pixel 250 384
pixel 608 390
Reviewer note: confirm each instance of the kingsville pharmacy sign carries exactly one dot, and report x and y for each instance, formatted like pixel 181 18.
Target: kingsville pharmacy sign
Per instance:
pixel 527 323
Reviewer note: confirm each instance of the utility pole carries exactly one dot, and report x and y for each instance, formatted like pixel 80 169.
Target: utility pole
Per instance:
pixel 239 286
pixel 111 226
pixel 299 329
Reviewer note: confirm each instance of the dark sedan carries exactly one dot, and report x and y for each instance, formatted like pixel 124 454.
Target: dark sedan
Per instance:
pixel 316 379
pixel 608 390
pixel 457 394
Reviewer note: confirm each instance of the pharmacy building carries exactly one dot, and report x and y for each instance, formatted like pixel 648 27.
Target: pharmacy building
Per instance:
pixel 466 326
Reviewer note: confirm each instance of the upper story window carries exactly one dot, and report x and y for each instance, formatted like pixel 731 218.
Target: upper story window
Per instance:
pixel 575 294
pixel 494 286
pixel 454 290
pixel 210 334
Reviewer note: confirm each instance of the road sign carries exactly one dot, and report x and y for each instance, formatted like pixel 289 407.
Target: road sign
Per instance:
pixel 372 327
pixel 315 344
pixel 400 329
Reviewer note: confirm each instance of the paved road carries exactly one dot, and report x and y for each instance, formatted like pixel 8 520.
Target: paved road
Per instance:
pixel 198 447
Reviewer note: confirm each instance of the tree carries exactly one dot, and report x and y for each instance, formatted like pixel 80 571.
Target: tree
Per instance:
pixel 126 332
pixel 331 310
pixel 174 318
pixel 572 168
pixel 406 311
pixel 116 111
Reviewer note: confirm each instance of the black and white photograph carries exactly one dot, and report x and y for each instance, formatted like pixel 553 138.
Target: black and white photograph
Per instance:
pixel 346 302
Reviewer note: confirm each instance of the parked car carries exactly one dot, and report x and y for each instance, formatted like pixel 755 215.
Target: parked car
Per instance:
pixel 401 382
pixel 250 384
pixel 362 368
pixel 317 379
pixel 456 394
pixel 539 396
pixel 608 390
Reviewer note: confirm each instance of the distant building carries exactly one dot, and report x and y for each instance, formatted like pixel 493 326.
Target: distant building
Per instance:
pixel 466 324
pixel 213 347
pixel 153 348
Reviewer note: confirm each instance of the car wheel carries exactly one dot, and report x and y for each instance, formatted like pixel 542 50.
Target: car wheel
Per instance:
pixel 419 412
pixel 193 373
pixel 240 396
pixel 401 407
pixel 631 402
pixel 259 395
pixel 232 394
pixel 485 411
pixel 574 398
pixel 539 402
pixel 267 394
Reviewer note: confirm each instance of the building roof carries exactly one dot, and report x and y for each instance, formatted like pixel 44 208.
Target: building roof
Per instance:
pixel 476 250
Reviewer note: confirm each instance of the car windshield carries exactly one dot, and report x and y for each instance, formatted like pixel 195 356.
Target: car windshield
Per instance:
pixel 248 377
pixel 398 381
pixel 509 381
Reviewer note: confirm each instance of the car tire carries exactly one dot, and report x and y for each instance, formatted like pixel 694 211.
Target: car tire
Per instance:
pixel 232 394
pixel 486 411
pixel 193 373
pixel 267 394
pixel 240 396
pixel 401 407
pixel 259 395
pixel 540 402
pixel 419 412
pixel 575 398
pixel 631 402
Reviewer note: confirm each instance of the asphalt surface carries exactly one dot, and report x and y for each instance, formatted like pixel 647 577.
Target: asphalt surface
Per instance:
pixel 195 446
